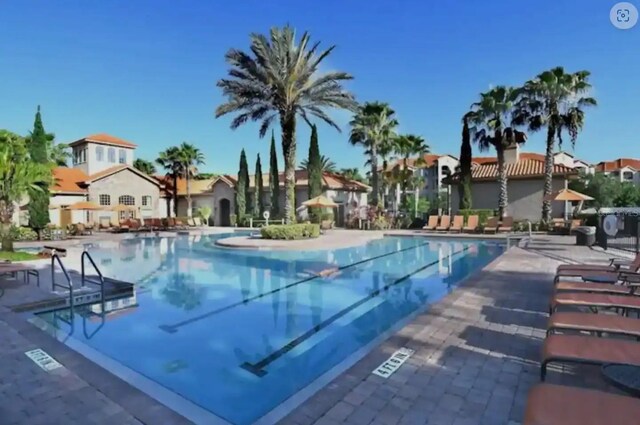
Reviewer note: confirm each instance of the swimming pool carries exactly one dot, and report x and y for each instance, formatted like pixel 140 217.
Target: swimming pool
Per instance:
pixel 238 332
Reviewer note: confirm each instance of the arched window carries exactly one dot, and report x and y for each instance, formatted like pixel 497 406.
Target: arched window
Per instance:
pixel 105 200
pixel 127 200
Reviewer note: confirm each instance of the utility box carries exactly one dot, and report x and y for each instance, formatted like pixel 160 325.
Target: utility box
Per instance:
pixel 585 235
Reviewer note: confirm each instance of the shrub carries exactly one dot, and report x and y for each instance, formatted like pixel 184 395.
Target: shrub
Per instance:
pixel 380 223
pixel 326 216
pixel 482 214
pixel 290 231
pixel 23 234
pixel 233 220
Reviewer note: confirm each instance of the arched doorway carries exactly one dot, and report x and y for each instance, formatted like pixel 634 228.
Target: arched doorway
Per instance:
pixel 225 212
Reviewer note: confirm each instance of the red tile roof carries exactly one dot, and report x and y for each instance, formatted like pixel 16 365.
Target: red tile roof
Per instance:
pixel 68 180
pixel 329 180
pixel 525 168
pixel 618 164
pixel 105 139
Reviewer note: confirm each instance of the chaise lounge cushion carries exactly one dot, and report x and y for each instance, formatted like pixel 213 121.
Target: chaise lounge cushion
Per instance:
pixel 592 287
pixel 611 323
pixel 595 300
pixel 591 350
pixel 559 405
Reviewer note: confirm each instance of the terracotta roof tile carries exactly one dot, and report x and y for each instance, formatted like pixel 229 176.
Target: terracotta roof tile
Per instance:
pixel 329 180
pixel 618 164
pixel 104 138
pixel 68 180
pixel 521 169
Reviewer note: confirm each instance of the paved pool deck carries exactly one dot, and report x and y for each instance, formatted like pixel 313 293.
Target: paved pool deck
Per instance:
pixel 477 354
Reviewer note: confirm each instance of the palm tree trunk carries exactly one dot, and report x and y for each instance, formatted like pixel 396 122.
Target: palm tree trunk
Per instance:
pixel 403 201
pixel 288 126
pixel 502 179
pixel 175 194
pixel 548 173
pixel 374 175
pixel 188 195
pixel 383 183
pixel 6 213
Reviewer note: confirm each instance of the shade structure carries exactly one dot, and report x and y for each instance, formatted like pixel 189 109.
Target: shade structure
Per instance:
pixel 122 207
pixel 319 202
pixel 85 206
pixel 568 195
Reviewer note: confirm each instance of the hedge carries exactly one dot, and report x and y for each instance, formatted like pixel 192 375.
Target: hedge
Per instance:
pixel 290 231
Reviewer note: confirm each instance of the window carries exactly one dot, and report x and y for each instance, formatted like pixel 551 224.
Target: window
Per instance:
pixel 122 156
pixel 99 153
pixel 105 200
pixel 80 155
pixel 112 154
pixel 127 200
pixel 628 175
pixel 146 201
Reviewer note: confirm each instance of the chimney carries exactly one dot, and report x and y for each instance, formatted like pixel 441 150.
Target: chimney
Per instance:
pixel 512 154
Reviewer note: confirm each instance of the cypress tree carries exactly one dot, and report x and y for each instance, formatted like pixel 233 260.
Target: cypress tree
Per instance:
pixel 274 179
pixel 464 187
pixel 258 203
pixel 39 199
pixel 241 193
pixel 314 170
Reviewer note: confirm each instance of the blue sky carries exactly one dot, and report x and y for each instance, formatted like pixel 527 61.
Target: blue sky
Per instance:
pixel 145 70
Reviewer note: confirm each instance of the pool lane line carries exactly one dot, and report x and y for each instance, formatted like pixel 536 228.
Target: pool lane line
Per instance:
pixel 174 328
pixel 258 367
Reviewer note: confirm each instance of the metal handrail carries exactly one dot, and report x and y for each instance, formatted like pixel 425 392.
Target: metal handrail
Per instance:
pixel 86 255
pixel 54 258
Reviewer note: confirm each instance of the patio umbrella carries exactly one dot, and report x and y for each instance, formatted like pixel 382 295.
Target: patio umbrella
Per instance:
pixel 568 195
pixel 122 207
pixel 320 202
pixel 85 206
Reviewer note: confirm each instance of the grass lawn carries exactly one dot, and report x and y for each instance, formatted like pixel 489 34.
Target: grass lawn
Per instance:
pixel 18 256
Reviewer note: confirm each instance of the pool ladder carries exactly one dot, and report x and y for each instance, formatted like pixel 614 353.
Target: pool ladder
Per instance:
pixel 55 258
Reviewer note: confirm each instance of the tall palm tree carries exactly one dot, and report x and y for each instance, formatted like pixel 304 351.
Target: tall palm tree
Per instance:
pixel 351 174
pixel 373 127
pixel 190 157
pixel 325 162
pixel 407 146
pixel 280 79
pixel 169 159
pixel 556 100
pixel 491 117
pixel 144 166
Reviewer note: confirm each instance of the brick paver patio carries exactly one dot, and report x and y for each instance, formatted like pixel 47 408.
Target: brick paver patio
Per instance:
pixel 476 357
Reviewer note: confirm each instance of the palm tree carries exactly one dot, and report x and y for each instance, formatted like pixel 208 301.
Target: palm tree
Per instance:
pixel 169 159
pixel 280 79
pixel 351 174
pixel 492 119
pixel 190 157
pixel 407 146
pixel 18 175
pixel 555 100
pixel 144 166
pixel 325 162
pixel 373 127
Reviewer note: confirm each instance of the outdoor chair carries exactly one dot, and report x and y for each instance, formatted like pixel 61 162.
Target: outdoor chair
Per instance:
pixel 560 405
pixel 596 274
pixel 472 224
pixel 178 224
pixel 326 224
pixel 588 350
pixel 595 324
pixel 191 222
pixel 595 301
pixel 156 224
pixel 121 227
pixel 458 223
pixel 558 225
pixel 105 223
pixel 15 268
pixel 432 223
pixel 147 224
pixel 614 265
pixel 506 225
pixel 445 223
pixel 492 225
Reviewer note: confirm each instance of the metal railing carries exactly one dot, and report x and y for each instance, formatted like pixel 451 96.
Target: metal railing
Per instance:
pixel 69 287
pixel 86 256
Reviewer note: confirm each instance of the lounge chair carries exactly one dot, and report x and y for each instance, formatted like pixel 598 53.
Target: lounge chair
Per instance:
pixel 156 224
pixel 147 224
pixel 506 225
pixel 472 224
pixel 121 227
pixel 492 225
pixel 198 221
pixel 191 222
pixel 445 223
pixel 601 288
pixel 587 350
pixel 623 303
pixel 105 223
pixel 179 224
pixel 458 223
pixel 558 225
pixel 597 324
pixel 134 225
pixel 432 223
pixel 26 270
pixel 326 224
pixel 560 405
pixel 170 223
pixel 615 264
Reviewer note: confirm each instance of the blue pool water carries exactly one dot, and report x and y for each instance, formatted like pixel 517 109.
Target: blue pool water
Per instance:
pixel 238 332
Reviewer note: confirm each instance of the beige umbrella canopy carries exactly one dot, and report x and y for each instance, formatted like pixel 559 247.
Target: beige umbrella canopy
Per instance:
pixel 122 207
pixel 85 206
pixel 568 195
pixel 319 202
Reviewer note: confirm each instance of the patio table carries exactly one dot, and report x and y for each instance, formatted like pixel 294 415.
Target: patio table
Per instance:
pixel 624 377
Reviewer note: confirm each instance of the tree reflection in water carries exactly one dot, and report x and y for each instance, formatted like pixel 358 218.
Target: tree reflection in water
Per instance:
pixel 181 291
